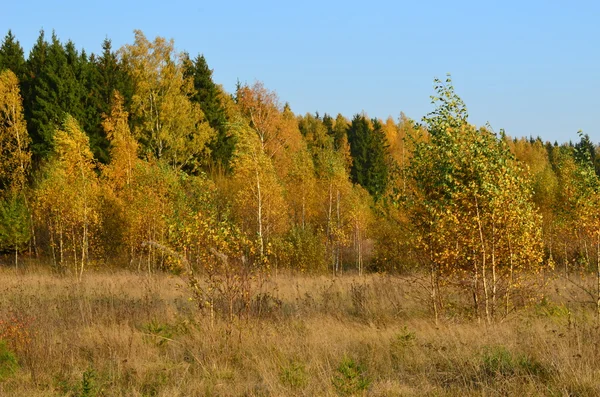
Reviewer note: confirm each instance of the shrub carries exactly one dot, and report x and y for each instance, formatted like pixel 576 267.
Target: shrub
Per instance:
pixel 351 377
pixel 8 361
pixel 294 375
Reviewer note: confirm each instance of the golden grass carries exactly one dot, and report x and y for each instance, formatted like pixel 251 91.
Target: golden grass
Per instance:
pixel 123 334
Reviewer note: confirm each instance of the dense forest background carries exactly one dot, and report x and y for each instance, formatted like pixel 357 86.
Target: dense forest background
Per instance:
pixel 136 158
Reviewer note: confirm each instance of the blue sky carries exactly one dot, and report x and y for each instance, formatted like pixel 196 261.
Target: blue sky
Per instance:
pixel 530 67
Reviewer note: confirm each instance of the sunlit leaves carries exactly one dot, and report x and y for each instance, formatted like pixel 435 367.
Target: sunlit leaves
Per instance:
pixel 15 157
pixel 471 204
pixel 169 126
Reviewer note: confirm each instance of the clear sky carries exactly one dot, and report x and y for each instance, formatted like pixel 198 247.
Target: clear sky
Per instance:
pixel 530 67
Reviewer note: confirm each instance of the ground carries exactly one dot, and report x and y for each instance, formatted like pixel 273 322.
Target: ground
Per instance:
pixel 117 333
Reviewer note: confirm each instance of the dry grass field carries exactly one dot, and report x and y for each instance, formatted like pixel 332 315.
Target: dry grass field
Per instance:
pixel 124 334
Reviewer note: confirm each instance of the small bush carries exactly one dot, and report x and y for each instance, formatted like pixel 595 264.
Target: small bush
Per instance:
pixel 294 375
pixel 85 388
pixel 351 377
pixel 498 360
pixel 88 383
pixel 547 308
pixel 405 337
pixel 8 361
pixel 162 333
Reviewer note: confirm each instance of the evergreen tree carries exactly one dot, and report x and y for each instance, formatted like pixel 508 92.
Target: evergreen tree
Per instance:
pixel 112 76
pixel 91 121
pixel 34 71
pixel 328 122
pixel 54 89
pixel 368 147
pixel 207 95
pixel 585 150
pixel 11 56
pixel 101 76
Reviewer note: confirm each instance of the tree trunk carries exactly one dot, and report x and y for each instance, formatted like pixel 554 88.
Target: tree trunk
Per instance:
pixel 598 276
pixel 483 264
pixel 259 215
pixel 510 279
pixel 338 264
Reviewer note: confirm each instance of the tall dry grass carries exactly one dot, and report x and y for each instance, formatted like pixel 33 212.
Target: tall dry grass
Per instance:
pixel 124 334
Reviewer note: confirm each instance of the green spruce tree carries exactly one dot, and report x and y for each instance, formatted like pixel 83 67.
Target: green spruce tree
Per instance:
pixel 207 95
pixel 368 148
pixel 11 56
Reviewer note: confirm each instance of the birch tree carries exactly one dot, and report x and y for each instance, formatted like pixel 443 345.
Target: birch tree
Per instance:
pixel 15 160
pixel 259 199
pixel 67 198
pixel 471 207
pixel 169 126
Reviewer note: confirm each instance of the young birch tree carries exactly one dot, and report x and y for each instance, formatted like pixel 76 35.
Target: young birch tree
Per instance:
pixel 68 197
pixel 15 160
pixel 167 123
pixel 471 207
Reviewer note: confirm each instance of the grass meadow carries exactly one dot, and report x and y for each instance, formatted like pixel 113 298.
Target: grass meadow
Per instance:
pixel 127 334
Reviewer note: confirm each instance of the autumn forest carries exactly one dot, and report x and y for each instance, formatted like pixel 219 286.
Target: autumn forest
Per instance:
pixel 134 160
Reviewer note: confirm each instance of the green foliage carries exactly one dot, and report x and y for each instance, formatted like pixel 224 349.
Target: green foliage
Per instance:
pixel 88 383
pixel 301 249
pixel 11 56
pixel 161 333
pixel 471 205
pixel 405 337
pixel 208 96
pixel 54 89
pixel 86 387
pixel 8 362
pixel 103 75
pixel 294 375
pixel 547 308
pixel 499 361
pixel 14 223
pixel 351 377
pixel 368 147
pixel 169 126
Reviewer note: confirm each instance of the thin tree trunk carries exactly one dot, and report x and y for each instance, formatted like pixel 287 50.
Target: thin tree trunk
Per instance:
pixel 329 231
pixel 566 262
pixel 483 264
pixel 61 247
pixel 494 278
pixel 433 283
pixel 259 215
pixel 338 264
pixel 598 276
pixel 510 279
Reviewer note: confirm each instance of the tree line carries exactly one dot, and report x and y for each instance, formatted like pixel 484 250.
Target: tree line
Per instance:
pixel 136 158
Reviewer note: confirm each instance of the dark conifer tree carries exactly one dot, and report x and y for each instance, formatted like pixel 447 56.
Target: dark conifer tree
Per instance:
pixel 368 148
pixel 328 123
pixel 378 169
pixel 11 56
pixel 208 97
pixel 35 70
pixel 102 76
